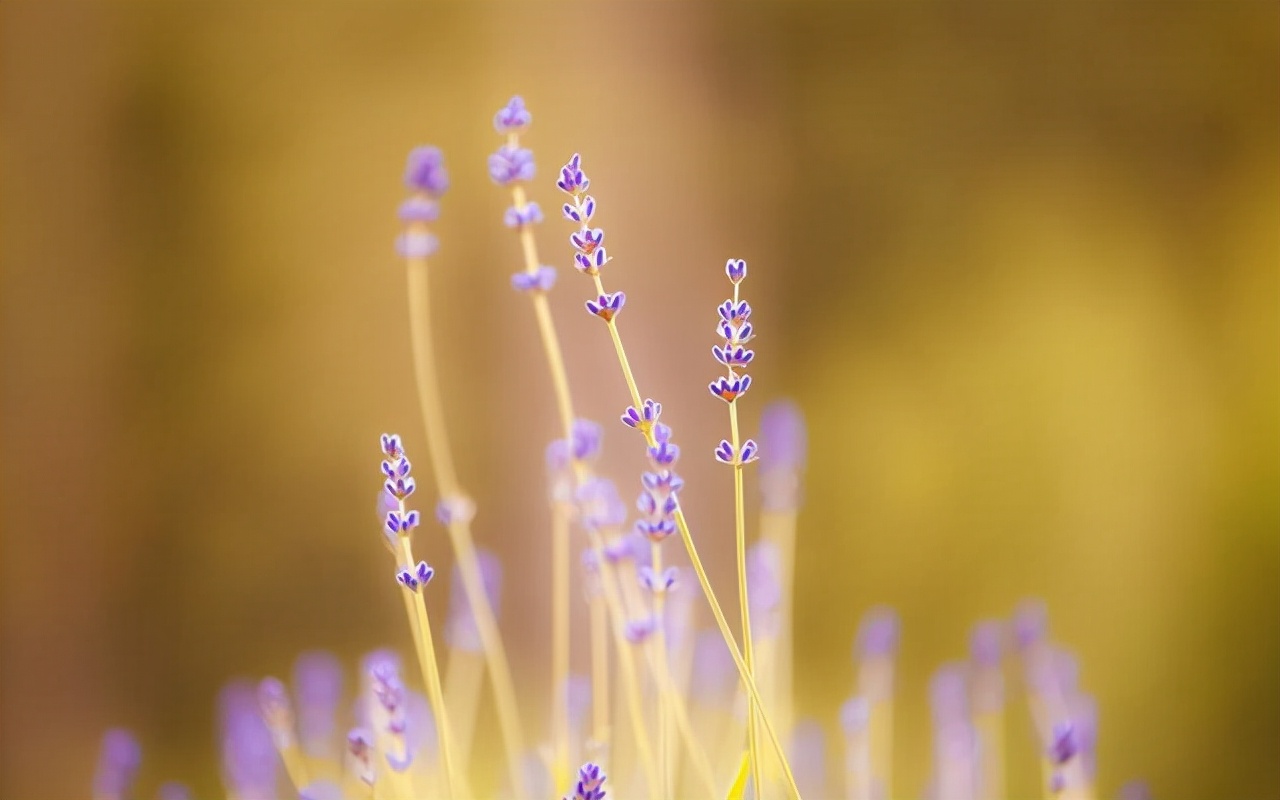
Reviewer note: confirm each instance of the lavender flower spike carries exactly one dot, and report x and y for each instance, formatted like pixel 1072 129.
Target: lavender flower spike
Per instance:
pixel 513 117
pixel 249 760
pixel 424 171
pixel 590 785
pixel 511 165
pixel 118 763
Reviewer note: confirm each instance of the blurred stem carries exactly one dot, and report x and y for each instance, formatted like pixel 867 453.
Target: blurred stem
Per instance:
pixel 426 375
pixel 431 671
pixel 463 680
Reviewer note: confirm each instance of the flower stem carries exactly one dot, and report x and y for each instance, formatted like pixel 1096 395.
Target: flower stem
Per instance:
pixel 740 537
pixel 427 378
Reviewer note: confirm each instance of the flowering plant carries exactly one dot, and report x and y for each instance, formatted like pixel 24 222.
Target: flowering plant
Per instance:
pixel 669 710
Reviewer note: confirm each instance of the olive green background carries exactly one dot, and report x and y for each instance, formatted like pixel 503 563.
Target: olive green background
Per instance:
pixel 1017 261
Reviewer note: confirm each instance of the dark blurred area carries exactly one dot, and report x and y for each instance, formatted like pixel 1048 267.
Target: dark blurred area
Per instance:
pixel 1018 262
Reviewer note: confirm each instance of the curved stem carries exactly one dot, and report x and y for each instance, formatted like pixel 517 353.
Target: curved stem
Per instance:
pixel 740 537
pixel 426 375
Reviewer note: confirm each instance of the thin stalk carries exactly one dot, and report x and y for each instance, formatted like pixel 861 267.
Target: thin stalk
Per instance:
pixel 660 669
pixel 779 527
pixel 692 552
pixel 630 684
pixel 427 378
pixel 740 537
pixel 560 637
pixel 431 673
pixel 463 680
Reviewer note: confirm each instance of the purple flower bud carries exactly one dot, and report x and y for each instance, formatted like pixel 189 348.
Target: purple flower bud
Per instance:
pixel 655 530
pixel 1065 743
pixel 662 481
pixel 733 355
pixel 736 269
pixel 735 313
pixel 416 244
pixel 118 762
pixel 590 263
pixel 647 414
pixel 986 644
pixel 655 582
pixel 572 179
pixel 586 241
pixel 1057 781
pixel 855 714
pixel 664 454
pixel 739 334
pixel 529 214
pixel 276 710
pixel 424 171
pixel 400 488
pixel 317 681
pixel 580 210
pixel 249 759
pixel 360 754
pixel 661 433
pixel 730 389
pixel 407 579
pixel 782 432
pixel 540 281
pixel 607 306
pixel 460 631
pixel 399 468
pixel 599 504
pixel 585 437
pixel 511 164
pixel 878 633
pixel 590 785
pixel 725 453
pixel 949 696
pixel 637 630
pixel 513 117
pixel 391 446
pixel 749 452
pixel 656 505
pixel 419 209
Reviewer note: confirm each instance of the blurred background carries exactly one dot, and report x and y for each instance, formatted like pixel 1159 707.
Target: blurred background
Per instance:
pixel 1019 264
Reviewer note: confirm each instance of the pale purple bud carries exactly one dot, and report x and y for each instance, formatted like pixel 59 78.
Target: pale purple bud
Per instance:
pixel 986 644
pixel 321 790
pixel 118 760
pixel 317 685
pixel 855 714
pixel 460 629
pixel 736 269
pixel 1030 623
pixel 419 209
pixel 764 586
pixel 276 710
pixel 949 696
pixel 585 439
pixel 509 165
pixel 637 630
pixel 540 281
pixel 518 217
pixel 1064 743
pixel 878 633
pixel 513 117
pixel 458 509
pixel 249 760
pixel 590 784
pixel 599 504
pixel 424 171
pixel 416 244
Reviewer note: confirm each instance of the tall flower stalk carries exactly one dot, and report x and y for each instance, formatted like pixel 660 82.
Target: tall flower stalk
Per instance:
pixel 590 257
pixel 425 175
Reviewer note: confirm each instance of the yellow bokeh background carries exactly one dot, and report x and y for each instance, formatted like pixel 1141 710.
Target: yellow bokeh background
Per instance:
pixel 1018 262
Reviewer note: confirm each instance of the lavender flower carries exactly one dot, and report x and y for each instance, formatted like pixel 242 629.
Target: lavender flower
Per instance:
pixel 590 784
pixel 511 164
pixel 599 505
pixel 645 416
pixel 637 630
pixel 730 389
pixel 249 761
pixel 607 306
pixel 455 510
pixel 513 117
pixel 424 171
pixel 118 762
pixel 1065 744
pixel 657 583
pixel 520 216
pixel 540 281
pixel 419 209
pixel 855 714
pixel 736 269
pixel 277 711
pixel 416 578
pixel 585 438
pixel 572 179
pixel 317 681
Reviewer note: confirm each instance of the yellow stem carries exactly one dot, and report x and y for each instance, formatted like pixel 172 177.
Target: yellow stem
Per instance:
pixel 779 527
pixel 660 668
pixel 740 537
pixel 463 680
pixel 692 552
pixel 295 765
pixel 630 685
pixel 430 671
pixel 427 378
pixel 560 636
pixel 599 674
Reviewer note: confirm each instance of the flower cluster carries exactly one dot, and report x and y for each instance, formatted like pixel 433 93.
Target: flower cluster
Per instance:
pixel 400 521
pixel 426 177
pixel 590 784
pixel 588 242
